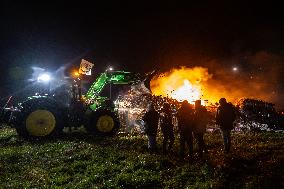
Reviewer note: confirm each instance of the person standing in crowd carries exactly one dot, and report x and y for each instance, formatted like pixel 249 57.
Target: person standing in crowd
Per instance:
pixel 225 118
pixel 151 118
pixel 167 128
pixel 201 118
pixel 185 117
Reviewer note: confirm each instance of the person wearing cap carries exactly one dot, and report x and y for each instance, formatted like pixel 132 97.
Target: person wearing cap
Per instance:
pixel 167 128
pixel 225 118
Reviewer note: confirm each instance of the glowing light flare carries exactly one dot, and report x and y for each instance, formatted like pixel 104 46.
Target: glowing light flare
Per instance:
pixel 44 77
pixel 235 69
pixel 109 68
pixel 76 74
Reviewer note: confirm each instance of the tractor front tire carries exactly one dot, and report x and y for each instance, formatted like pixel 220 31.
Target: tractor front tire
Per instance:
pixel 39 118
pixel 103 122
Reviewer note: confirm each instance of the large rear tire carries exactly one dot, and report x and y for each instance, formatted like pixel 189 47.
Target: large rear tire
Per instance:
pixel 39 118
pixel 102 123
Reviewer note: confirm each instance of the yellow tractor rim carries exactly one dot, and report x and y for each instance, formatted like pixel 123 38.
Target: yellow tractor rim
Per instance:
pixel 40 123
pixel 105 124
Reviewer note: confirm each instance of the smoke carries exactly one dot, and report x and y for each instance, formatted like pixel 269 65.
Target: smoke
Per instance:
pixel 132 105
pixel 256 75
pixel 259 76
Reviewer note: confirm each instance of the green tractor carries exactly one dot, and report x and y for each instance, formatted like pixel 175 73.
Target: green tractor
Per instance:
pixel 42 116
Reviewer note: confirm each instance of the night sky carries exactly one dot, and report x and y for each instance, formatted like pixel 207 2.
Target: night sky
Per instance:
pixel 138 37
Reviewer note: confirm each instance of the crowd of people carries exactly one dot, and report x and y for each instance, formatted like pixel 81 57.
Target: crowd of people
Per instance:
pixel 192 122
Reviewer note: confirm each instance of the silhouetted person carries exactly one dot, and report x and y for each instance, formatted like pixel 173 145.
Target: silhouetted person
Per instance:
pixel 225 118
pixel 167 128
pixel 201 120
pixel 185 126
pixel 151 119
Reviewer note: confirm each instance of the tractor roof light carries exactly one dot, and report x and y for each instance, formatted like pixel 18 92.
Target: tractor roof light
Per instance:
pixel 109 69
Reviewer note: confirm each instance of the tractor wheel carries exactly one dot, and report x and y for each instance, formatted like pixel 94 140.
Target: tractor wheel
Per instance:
pixel 102 123
pixel 39 118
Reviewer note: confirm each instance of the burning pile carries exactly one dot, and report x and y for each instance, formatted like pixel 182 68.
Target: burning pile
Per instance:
pixel 182 84
pixel 172 87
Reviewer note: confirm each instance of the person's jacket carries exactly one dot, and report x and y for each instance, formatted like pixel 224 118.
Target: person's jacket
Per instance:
pixel 151 119
pixel 201 118
pixel 185 117
pixel 225 116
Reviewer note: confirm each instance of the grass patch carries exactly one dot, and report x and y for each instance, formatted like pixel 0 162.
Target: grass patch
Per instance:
pixel 83 161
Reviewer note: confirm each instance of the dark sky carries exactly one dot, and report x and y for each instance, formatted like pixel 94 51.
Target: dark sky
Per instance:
pixel 134 36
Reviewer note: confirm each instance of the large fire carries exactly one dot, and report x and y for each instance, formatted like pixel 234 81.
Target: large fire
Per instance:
pixel 196 83
pixel 182 84
pixel 187 92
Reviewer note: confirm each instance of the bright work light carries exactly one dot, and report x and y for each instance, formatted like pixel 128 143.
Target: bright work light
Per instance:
pixel 109 69
pixel 43 77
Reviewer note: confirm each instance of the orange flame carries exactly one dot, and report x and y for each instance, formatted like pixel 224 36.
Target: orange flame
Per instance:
pixel 187 92
pixel 181 84
pixel 196 83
